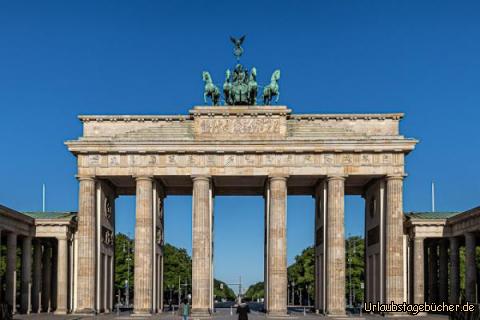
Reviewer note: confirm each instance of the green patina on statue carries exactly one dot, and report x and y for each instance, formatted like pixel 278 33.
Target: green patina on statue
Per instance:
pixel 240 86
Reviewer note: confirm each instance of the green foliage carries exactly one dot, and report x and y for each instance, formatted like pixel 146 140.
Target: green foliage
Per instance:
pixel 355 250
pixel 123 251
pixel 255 291
pixel 177 265
pixel 225 293
pixel 302 272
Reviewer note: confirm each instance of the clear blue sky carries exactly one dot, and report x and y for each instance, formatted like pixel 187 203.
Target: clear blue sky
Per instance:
pixel 59 59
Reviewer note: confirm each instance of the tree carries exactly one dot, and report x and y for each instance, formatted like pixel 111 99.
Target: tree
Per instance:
pixel 302 273
pixel 123 267
pixel 255 291
pixel 355 251
pixel 223 293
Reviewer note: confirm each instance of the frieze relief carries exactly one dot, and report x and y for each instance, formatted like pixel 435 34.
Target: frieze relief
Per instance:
pixel 243 160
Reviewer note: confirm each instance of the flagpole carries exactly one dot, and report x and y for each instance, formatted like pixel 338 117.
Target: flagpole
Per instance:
pixel 43 197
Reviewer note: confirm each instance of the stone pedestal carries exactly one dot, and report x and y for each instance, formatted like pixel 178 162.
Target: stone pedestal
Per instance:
pixel 277 247
pixel 86 275
pixel 335 268
pixel 394 276
pixel 143 296
pixel 443 271
pixel 26 274
pixel 454 270
pixel 11 273
pixel 37 276
pixel 62 274
pixel 419 268
pixel 201 247
pixel 470 268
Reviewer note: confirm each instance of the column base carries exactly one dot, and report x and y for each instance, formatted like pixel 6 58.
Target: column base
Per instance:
pixel 141 313
pixel 60 311
pixel 201 313
pixel 86 311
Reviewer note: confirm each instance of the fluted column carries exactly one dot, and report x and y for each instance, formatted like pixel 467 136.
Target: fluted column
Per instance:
pixel 418 272
pixel 277 247
pixel 443 271
pixel 26 274
pixel 201 246
pixel 335 278
pixel 62 274
pixel 143 295
pixel 454 270
pixel 37 276
pixel 394 275
pixel 432 272
pixel 47 277
pixel 11 273
pixel 86 288
pixel 470 267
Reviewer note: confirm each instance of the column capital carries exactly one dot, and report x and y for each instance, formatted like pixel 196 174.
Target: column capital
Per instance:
pixel 336 177
pixel 389 177
pixel 143 177
pixel 12 234
pixel 281 177
pixel 83 177
pixel 201 177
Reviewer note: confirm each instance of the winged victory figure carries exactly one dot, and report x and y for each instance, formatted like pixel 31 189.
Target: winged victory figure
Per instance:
pixel 237 50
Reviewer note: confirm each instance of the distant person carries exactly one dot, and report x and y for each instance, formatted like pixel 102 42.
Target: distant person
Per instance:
pixel 243 310
pixel 184 309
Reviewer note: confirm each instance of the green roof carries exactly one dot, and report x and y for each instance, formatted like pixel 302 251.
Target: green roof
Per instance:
pixel 431 215
pixel 51 214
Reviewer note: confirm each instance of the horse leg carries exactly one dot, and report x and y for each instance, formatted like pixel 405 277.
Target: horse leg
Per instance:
pixel 278 96
pixel 205 98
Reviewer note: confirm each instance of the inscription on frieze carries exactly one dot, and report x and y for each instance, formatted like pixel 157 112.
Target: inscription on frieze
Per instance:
pixel 239 126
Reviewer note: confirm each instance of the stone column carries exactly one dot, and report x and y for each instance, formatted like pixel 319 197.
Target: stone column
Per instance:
pixel 54 279
pixel 277 247
pixel 1 285
pixel 86 246
pixel 470 267
pixel 418 272
pixel 46 276
pixel 335 264
pixel 62 274
pixel 143 295
pixel 37 276
pixel 394 275
pixel 454 270
pixel 201 247
pixel 432 272
pixel 26 274
pixel 443 271
pixel 11 272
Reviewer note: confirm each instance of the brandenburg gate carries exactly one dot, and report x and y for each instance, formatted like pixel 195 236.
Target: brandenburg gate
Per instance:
pixel 241 150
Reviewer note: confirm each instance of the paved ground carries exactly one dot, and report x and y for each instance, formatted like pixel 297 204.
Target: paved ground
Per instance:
pixel 221 314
